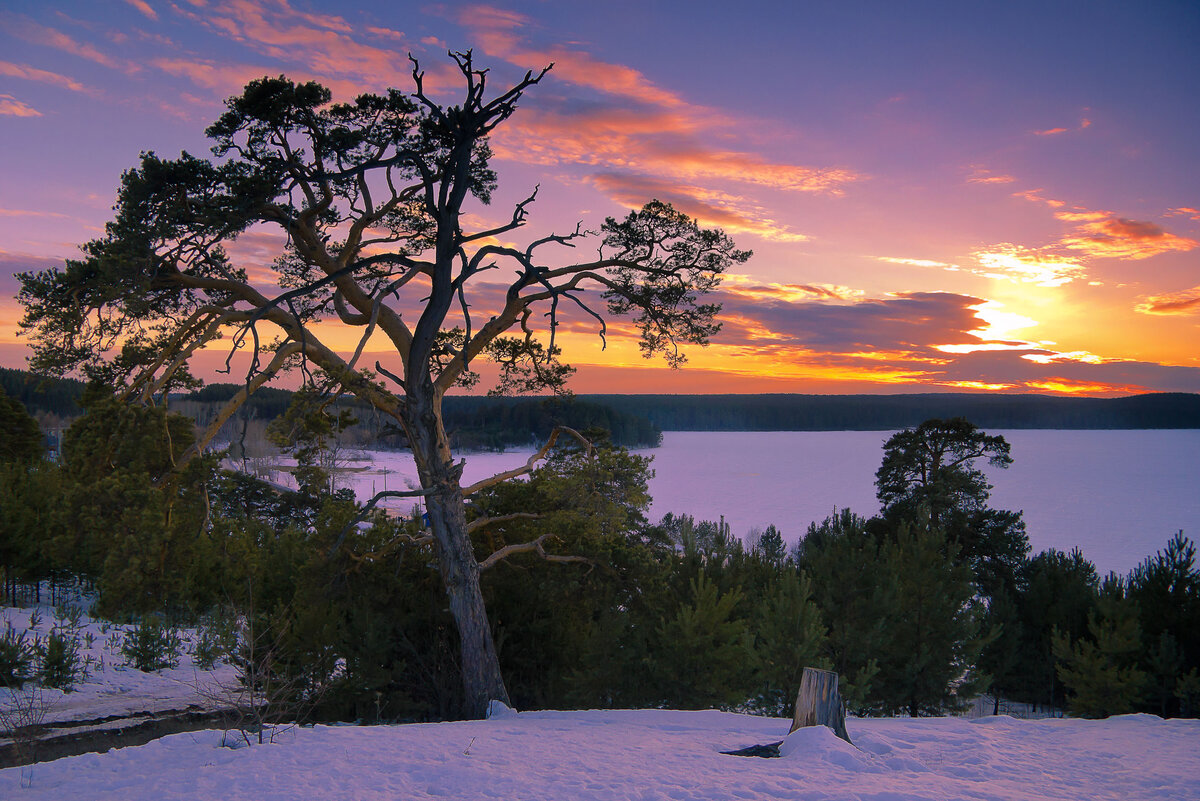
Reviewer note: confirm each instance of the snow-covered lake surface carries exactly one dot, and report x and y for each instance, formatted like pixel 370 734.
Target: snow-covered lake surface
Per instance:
pixel 1117 495
pixel 649 755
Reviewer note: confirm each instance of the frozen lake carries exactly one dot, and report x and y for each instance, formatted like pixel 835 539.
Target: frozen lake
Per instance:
pixel 1117 495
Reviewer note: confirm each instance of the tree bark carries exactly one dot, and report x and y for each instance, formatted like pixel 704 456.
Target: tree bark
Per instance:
pixel 481 675
pixel 819 703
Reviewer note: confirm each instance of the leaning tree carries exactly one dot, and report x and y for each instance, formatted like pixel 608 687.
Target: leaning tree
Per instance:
pixel 370 201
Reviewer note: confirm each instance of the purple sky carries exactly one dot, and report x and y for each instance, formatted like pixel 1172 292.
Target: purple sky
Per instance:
pixel 939 195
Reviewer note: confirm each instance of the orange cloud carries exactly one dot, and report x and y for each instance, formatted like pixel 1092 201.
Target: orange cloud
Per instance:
pixel 1185 211
pixel 1186 301
pixel 27 213
pixel 28 73
pixel 224 78
pixel 30 31
pixel 709 206
pixel 980 175
pixel 1035 196
pixel 746 286
pixel 320 43
pixel 1066 386
pixel 1082 216
pixel 11 107
pixel 494 28
pixel 1083 123
pixel 144 7
pixel 1120 238
pixel 1023 265
pixel 919 263
pixel 386 33
pixel 655 142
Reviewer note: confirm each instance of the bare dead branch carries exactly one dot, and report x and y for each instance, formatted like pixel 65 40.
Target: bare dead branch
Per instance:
pixel 369 507
pixel 534 546
pixel 531 463
pixel 484 522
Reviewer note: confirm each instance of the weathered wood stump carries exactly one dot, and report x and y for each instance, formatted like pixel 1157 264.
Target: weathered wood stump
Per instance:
pixel 819 703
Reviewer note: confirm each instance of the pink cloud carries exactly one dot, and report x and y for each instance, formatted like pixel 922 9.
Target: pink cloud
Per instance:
pixel 1027 265
pixel 660 143
pixel 36 33
pixel 1035 196
pixel 1082 216
pixel 981 175
pixel 494 30
pixel 225 78
pixel 1052 131
pixel 11 107
pixel 1186 301
pixel 144 7
pixel 1185 211
pixel 1120 238
pixel 28 213
pixel 28 73
pixel 321 44
pixel 710 207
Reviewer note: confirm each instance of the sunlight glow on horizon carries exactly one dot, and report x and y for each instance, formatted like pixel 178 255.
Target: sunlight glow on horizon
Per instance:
pixel 1072 210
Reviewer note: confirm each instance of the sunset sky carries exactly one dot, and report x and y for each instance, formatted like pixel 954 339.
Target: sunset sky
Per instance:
pixel 940 196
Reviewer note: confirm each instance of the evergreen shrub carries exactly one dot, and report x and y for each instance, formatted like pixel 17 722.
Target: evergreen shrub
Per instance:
pixel 61 665
pixel 151 646
pixel 16 658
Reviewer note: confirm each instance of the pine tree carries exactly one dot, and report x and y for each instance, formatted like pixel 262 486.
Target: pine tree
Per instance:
pixel 707 656
pixel 1102 672
pixel 934 634
pixel 789 637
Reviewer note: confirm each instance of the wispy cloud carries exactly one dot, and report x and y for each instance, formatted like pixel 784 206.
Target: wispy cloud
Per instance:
pixel 1028 266
pixel 1112 237
pixel 919 262
pixel 225 78
pixel 1185 211
pixel 709 206
pixel 641 127
pixel 496 30
pixel 1186 301
pixel 144 8
pixel 982 175
pixel 32 213
pixel 1052 131
pixel 11 107
pixel 934 339
pixel 24 28
pixel 322 45
pixel 746 286
pixel 1035 196
pixel 654 142
pixel 11 70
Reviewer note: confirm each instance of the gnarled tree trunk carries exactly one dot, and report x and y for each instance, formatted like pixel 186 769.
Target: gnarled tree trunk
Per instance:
pixel 481 676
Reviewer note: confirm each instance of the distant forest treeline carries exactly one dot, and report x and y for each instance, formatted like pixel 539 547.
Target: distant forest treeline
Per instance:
pixel 638 420
pixel 893 412
pixel 474 423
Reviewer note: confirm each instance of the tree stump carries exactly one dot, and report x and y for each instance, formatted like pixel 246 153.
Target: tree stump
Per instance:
pixel 819 703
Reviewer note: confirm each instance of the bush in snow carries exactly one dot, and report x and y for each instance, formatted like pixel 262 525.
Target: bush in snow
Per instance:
pixel 61 665
pixel 151 646
pixel 16 658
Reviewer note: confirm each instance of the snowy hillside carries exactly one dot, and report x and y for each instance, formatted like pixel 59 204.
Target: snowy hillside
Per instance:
pixel 649 754
pixel 646 754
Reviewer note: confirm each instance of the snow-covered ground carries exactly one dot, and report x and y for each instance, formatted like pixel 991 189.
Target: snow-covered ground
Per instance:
pixel 648 754
pixel 642 754
pixel 108 686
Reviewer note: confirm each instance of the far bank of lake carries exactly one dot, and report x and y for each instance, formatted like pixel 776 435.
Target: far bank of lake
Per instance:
pixel 1117 495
